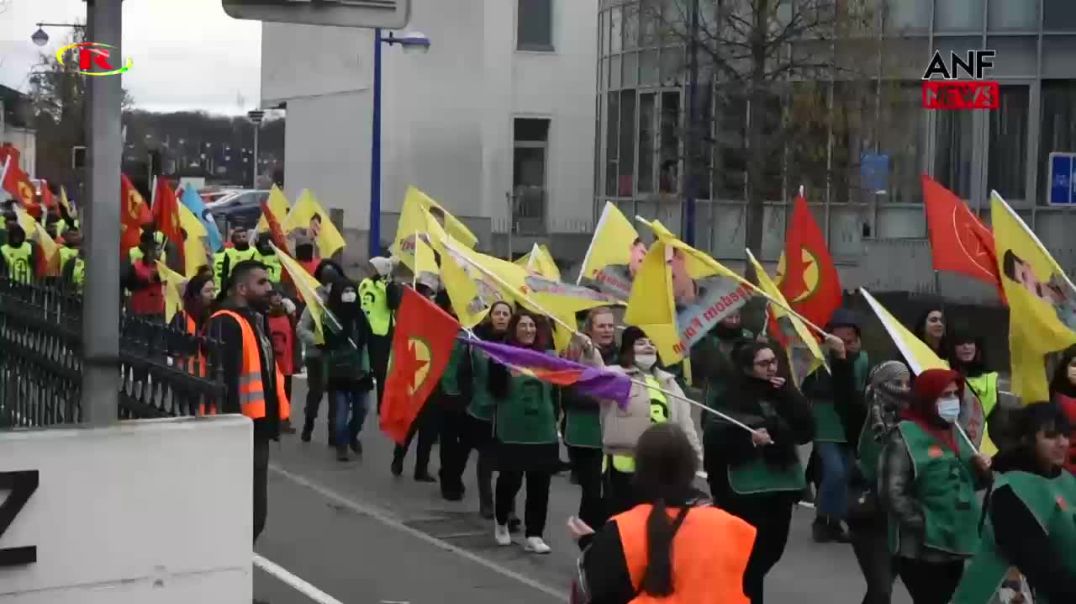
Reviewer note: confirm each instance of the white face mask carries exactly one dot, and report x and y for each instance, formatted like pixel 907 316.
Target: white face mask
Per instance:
pixel 949 408
pixel 348 297
pixel 645 361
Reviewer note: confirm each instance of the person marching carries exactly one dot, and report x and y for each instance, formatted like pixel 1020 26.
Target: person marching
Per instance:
pixel 72 260
pixel 831 439
pixel 930 328
pixel 306 330
pixel 966 356
pixel 198 296
pixel 226 259
pixel 1063 394
pixel 1029 540
pixel 672 547
pixel 380 297
pixel 426 425
pixel 19 257
pixel 525 428
pixel 582 420
pixel 347 366
pixel 281 321
pixel 267 256
pixel 621 428
pixel 143 280
pixel 454 395
pixel 711 360
pixel 758 476
pixel 254 384
pixel 929 475
pixel 876 412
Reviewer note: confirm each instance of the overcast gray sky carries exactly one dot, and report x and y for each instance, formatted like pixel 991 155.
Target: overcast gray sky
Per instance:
pixel 187 54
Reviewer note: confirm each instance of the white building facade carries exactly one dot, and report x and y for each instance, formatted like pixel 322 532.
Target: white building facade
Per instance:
pixel 499 113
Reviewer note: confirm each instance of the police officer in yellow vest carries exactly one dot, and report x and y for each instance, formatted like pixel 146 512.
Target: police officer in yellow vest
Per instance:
pixel 966 357
pixel 379 297
pixel 268 257
pixel 228 257
pixel 72 263
pixel 660 401
pixel 18 255
pixel 1029 537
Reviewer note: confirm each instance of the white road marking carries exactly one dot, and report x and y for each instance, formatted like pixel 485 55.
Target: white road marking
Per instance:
pixel 294 582
pixel 400 526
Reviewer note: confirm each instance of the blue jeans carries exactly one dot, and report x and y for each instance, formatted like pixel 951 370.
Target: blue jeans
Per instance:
pixel 351 406
pixel 833 490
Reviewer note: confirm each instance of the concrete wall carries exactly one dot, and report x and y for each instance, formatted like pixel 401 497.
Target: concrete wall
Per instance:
pixel 155 511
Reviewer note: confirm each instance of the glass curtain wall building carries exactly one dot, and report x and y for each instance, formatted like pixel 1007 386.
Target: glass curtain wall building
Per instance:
pixel 640 127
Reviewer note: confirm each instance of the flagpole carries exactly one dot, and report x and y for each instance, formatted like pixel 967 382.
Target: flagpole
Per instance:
pixel 784 307
pixel 966 439
pixel 414 273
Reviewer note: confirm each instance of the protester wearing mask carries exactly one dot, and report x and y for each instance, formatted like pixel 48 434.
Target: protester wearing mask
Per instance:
pixel 876 411
pixel 660 401
pixel 526 440
pixel 757 475
pixel 582 416
pixel 315 369
pixel 380 297
pixel 229 257
pixel 672 547
pixel 267 256
pixel 966 355
pixel 18 256
pixel 305 251
pixel 1029 539
pixel 1063 393
pixel 929 476
pixel 831 430
pixel 347 366
pixel 711 360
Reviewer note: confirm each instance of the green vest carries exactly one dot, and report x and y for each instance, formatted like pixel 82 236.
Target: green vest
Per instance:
pixel 868 454
pixel 526 416
pixel 1053 503
pixel 583 427
pixel 716 385
pixel 272 265
pixel 985 388
pixel 481 405
pixel 945 489
pixel 450 381
pixel 374 297
pixel 659 414
pixel 828 425
pixel 19 260
pixel 234 257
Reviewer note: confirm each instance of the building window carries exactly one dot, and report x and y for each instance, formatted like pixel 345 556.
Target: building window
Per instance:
pixel 1020 15
pixel 529 174
pixel 1008 143
pixel 958 15
pixel 952 151
pixel 669 177
pixel 647 132
pixel 612 138
pixel 903 139
pixel 534 25
pixel 1058 15
pixel 626 172
pixel 1058 129
pixel 731 143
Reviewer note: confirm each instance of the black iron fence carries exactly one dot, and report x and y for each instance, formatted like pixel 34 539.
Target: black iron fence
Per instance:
pixel 165 371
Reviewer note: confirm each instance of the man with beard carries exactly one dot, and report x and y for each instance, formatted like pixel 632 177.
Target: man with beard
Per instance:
pixel 255 386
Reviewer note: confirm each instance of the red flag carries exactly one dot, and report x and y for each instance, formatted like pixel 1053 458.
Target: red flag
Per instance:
pixel 959 241
pixel 18 184
pixel 166 212
pixel 811 283
pixel 133 215
pixel 421 347
pixel 46 195
pixel 275 230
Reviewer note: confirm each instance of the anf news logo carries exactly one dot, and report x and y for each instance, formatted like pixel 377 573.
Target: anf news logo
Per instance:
pixel 944 90
pixel 94 59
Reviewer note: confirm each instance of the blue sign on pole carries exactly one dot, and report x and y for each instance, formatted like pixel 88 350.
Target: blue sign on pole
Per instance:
pixel 874 172
pixel 1062 179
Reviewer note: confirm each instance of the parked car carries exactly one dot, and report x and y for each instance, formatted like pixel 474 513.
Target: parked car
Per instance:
pixel 240 208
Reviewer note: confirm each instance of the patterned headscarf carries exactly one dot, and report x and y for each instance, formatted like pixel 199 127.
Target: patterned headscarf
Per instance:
pixel 885 396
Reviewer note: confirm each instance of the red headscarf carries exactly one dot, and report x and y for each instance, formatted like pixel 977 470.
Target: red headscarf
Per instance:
pixel 923 409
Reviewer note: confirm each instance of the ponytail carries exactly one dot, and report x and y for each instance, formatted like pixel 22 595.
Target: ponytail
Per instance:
pixel 657 581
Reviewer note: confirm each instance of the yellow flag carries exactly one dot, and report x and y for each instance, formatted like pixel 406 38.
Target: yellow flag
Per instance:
pixel 421 214
pixel 542 262
pixel 307 286
pixel 424 259
pixel 173 284
pixel 804 354
pixel 463 292
pixel 194 254
pixel 651 307
pixel 1042 301
pixel 65 203
pixel 614 254
pixel 919 356
pixel 309 214
pixel 50 251
pixel 278 205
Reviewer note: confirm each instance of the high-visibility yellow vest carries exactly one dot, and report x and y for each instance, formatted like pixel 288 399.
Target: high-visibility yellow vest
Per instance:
pixel 18 260
pixel 659 414
pixel 272 266
pixel 373 294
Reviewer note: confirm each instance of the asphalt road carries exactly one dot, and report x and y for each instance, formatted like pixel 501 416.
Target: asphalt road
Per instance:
pixel 363 536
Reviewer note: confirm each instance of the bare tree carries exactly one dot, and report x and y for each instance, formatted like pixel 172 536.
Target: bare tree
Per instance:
pixel 796 93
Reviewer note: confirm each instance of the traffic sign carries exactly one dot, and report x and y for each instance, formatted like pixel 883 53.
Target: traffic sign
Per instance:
pixel 874 172
pixel 1062 179
pixel 386 14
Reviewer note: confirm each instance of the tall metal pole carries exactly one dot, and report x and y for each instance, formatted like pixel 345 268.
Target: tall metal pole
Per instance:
pixel 101 297
pixel 691 142
pixel 375 155
pixel 254 171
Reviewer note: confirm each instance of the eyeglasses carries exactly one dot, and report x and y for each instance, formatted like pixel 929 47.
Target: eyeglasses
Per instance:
pixel 766 363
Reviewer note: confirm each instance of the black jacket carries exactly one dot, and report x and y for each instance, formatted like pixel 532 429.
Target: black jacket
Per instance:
pixel 229 334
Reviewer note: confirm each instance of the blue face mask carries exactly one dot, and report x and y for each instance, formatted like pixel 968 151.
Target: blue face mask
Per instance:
pixel 949 408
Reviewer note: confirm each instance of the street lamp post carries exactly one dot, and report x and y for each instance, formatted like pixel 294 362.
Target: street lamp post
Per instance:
pixel 41 37
pixel 410 41
pixel 255 116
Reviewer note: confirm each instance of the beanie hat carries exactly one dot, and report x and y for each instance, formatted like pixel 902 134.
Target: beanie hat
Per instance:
pixel 628 338
pixel 843 317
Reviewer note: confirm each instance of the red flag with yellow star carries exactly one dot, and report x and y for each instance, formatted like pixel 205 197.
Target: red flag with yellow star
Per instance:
pixel 421 347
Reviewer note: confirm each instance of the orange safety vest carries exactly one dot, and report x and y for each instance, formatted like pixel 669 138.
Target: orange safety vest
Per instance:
pixel 196 365
pixel 710 553
pixel 251 390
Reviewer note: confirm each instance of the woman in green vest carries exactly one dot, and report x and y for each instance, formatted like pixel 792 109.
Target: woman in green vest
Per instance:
pixel 757 475
pixel 525 427
pixel 929 476
pixel 966 356
pixel 1029 540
